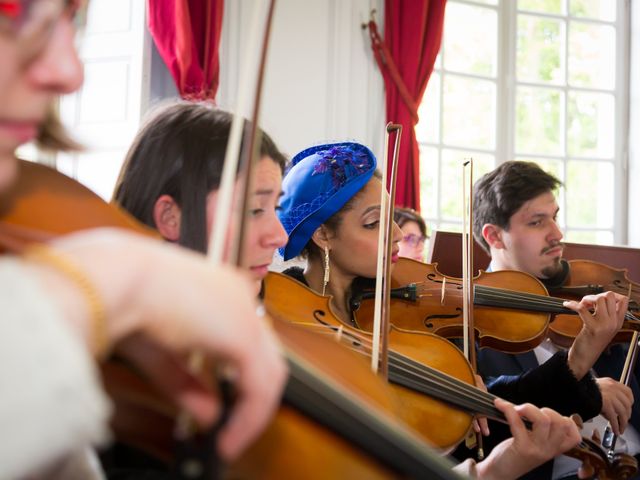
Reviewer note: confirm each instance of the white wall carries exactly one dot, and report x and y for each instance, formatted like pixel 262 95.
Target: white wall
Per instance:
pixel 634 130
pixel 321 82
pixel 105 113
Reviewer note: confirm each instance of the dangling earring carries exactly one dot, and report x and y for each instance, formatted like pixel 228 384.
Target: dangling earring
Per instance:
pixel 325 280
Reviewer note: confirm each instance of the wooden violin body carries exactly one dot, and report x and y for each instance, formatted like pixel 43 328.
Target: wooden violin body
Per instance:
pixel 44 203
pixel 437 307
pixel 294 445
pixel 314 311
pixel 440 424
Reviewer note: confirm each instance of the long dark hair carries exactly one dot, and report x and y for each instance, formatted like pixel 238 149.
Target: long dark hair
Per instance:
pixel 180 152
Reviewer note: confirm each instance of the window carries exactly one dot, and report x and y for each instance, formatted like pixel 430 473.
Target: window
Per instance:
pixel 105 113
pixel 537 80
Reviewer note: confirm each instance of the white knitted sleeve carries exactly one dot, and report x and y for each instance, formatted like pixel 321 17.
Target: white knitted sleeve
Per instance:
pixel 51 401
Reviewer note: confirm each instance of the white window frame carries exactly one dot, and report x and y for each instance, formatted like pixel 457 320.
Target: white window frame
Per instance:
pixel 505 108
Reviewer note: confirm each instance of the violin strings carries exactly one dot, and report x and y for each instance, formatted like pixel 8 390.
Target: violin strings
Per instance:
pixel 533 300
pixel 311 391
pixel 500 293
pixel 477 401
pixel 513 299
pixel 424 379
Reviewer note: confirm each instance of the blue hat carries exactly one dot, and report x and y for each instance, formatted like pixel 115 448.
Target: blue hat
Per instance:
pixel 320 181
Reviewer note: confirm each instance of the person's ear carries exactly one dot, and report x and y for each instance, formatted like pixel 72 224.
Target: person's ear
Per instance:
pixel 321 237
pixel 492 234
pixel 166 215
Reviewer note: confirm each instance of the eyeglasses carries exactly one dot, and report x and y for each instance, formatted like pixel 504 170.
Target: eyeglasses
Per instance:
pixel 32 22
pixel 414 240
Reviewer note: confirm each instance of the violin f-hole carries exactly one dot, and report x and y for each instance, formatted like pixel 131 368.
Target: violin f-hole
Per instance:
pixel 428 319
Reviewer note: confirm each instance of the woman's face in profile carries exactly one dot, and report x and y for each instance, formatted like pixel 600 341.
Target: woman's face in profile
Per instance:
pixel 264 232
pixel 412 243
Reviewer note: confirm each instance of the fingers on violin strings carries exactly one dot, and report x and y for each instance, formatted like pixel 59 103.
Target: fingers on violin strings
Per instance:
pixel 578 307
pixel 481 425
pixel 541 422
pixel 516 425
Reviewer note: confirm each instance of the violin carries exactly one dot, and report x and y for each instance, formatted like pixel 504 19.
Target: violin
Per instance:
pixel 585 277
pixel 513 320
pixel 337 418
pixel 44 203
pixel 421 364
pixel 423 414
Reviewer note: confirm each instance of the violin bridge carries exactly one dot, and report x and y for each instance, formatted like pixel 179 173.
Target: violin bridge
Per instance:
pixel 443 291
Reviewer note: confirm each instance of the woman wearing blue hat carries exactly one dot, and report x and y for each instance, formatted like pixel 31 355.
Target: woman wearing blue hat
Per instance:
pixel 331 210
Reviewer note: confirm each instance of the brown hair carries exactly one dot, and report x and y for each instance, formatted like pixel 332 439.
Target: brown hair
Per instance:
pixel 180 152
pixel 53 136
pixel 500 193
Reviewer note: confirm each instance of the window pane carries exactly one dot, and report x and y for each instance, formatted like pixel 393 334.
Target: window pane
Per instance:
pixel 97 170
pixel 451 178
pixel 592 58
pixel 589 193
pixel 539 121
pixel 594 237
pixel 599 9
pixel 547 6
pixel 590 125
pixel 469 112
pixel 470 39
pixel 553 167
pixel 429 181
pixel 428 127
pixel 540 49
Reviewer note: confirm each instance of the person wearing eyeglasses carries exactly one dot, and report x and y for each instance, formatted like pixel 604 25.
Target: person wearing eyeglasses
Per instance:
pixel 414 233
pixel 66 304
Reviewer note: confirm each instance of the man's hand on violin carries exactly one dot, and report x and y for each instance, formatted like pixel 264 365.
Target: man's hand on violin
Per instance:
pixel 551 435
pixel 617 401
pixel 598 328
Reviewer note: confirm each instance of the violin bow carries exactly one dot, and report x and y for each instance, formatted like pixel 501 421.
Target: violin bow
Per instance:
pixel 469 340
pixel 609 438
pixel 467 264
pixel 194 458
pixel 382 306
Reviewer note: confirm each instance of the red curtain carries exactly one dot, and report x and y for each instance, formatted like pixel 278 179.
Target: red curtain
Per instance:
pixel 413 33
pixel 187 34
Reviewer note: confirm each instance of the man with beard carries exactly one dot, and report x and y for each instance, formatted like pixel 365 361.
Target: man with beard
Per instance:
pixel 515 221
